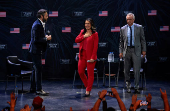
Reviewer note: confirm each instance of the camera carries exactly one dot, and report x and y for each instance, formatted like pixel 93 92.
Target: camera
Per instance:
pixel 109 93
pixel 143 103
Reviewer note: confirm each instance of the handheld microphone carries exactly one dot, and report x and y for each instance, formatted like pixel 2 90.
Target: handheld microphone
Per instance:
pixel 89 60
pixel 48 32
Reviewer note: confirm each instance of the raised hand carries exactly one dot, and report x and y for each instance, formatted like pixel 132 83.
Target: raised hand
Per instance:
pixel 43 108
pixel 134 98
pixel 13 100
pixel 148 98
pixel 165 99
pixel 99 95
pixel 103 94
pixel 71 109
pixel 163 94
pixel 23 109
pixel 115 93
pixel 26 108
pixel 137 105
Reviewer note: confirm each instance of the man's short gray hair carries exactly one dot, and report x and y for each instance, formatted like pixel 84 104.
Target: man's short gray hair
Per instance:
pixel 131 14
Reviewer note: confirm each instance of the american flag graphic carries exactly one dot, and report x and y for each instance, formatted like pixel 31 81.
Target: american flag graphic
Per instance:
pixel 66 29
pixel 43 61
pixel 14 30
pixel 53 13
pixel 115 29
pixel 25 46
pixel 2 14
pixel 152 12
pixel 103 13
pixel 76 45
pixel 164 28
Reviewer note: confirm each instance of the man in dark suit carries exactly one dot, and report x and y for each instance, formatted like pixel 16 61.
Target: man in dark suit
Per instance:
pixel 38 46
pixel 132 45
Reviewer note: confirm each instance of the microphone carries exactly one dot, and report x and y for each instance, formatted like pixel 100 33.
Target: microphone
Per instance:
pixel 48 32
pixel 89 60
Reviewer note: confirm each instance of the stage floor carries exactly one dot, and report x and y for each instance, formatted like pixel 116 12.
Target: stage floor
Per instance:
pixel 63 96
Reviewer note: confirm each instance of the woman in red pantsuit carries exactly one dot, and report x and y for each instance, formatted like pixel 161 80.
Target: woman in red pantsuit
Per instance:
pixel 88 39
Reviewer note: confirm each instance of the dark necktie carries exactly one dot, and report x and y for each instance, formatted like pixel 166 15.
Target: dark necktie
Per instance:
pixel 130 36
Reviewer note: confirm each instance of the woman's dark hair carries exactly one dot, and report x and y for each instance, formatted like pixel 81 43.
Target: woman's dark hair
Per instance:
pixel 93 28
pixel 41 12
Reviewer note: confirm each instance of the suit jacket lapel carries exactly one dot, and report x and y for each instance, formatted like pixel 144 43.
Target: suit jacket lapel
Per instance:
pixel 134 31
pixel 39 22
pixel 126 31
pixel 125 37
pixel 42 26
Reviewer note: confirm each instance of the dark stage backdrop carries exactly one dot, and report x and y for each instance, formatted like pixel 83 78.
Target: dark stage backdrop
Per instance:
pixel 65 21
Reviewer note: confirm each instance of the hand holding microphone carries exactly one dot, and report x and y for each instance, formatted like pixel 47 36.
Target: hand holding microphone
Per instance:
pixel 91 60
pixel 48 36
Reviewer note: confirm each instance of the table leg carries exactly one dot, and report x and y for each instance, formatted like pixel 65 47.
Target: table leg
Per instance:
pixel 109 74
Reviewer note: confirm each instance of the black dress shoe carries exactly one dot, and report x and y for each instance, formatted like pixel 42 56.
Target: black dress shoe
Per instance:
pixel 42 92
pixel 137 91
pixel 86 95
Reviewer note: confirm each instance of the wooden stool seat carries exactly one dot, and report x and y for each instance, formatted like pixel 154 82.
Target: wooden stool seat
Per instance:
pixel 110 74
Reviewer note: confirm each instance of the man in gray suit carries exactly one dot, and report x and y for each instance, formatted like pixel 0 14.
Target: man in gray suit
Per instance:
pixel 132 45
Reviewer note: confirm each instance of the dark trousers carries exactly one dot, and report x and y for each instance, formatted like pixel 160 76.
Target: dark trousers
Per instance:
pixel 130 58
pixel 36 77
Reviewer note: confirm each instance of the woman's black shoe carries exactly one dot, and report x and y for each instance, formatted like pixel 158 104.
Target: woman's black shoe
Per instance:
pixel 86 95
